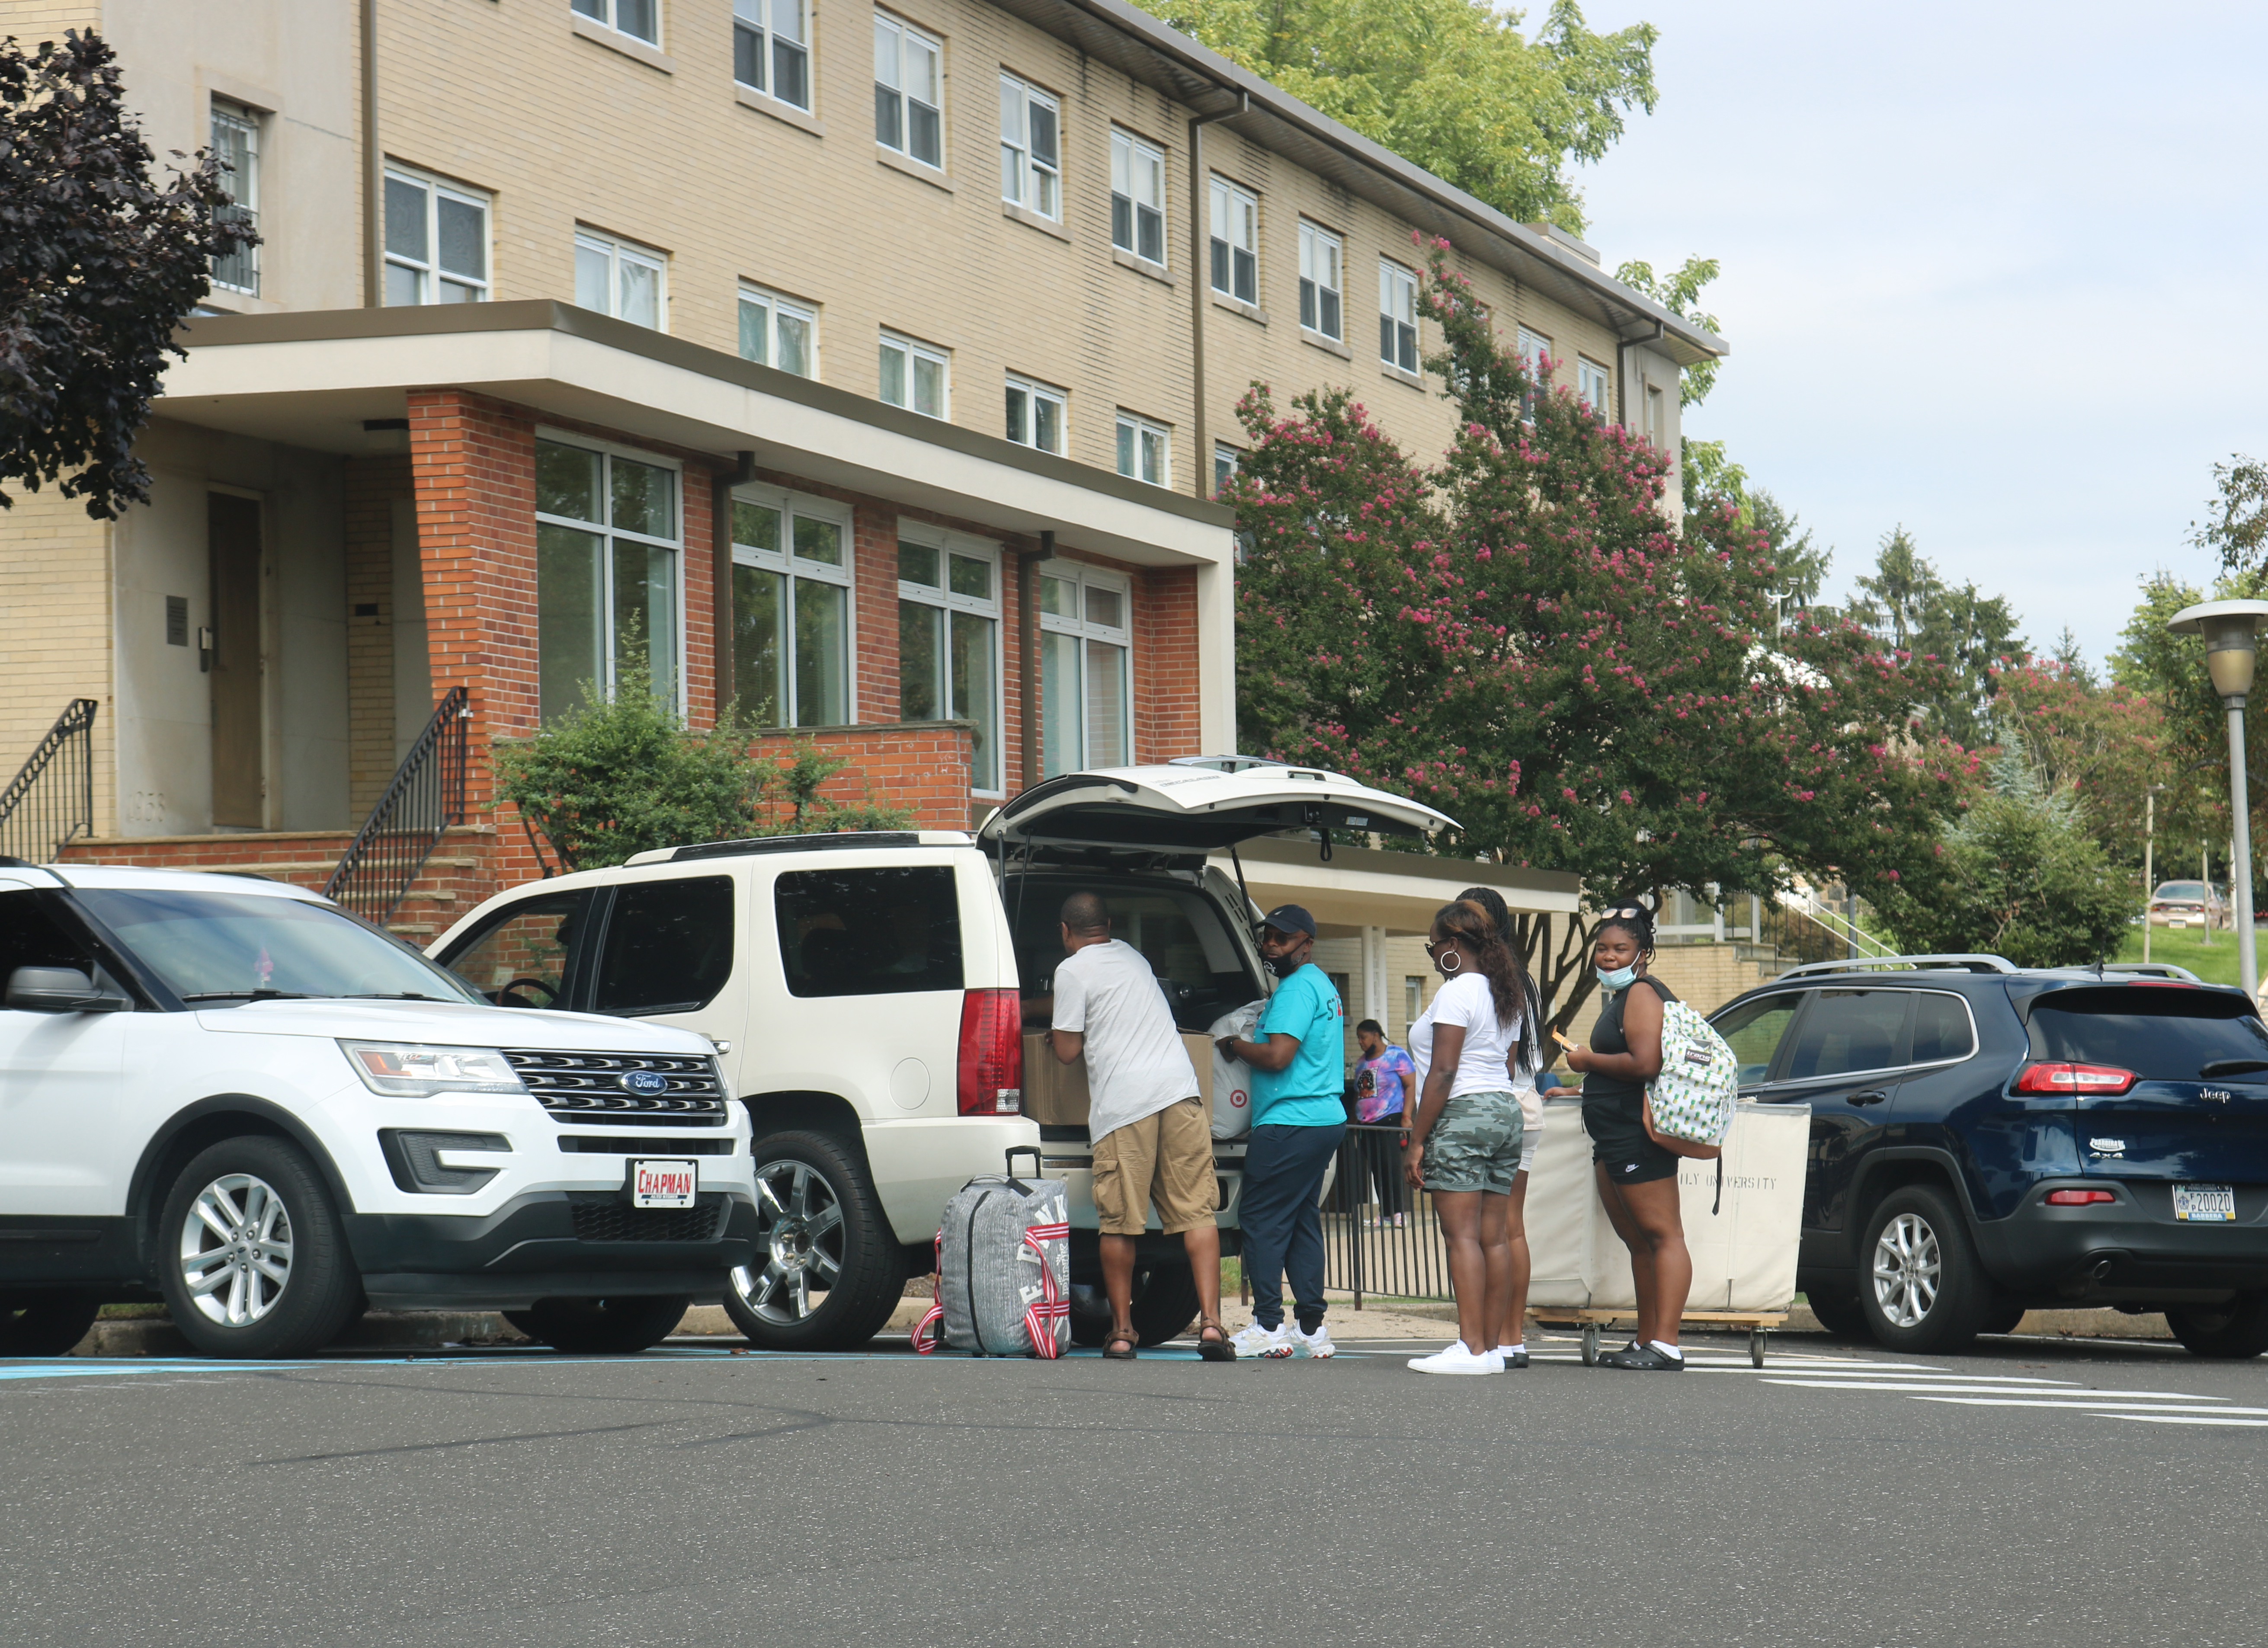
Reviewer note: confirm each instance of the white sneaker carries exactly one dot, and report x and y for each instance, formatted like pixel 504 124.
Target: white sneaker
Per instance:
pixel 1457 1359
pixel 1317 1345
pixel 1262 1343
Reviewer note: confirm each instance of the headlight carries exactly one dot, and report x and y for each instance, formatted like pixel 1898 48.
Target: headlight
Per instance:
pixel 412 1070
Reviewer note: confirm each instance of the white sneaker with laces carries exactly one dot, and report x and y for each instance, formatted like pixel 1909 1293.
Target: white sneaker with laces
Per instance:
pixel 1256 1341
pixel 1458 1359
pixel 1316 1344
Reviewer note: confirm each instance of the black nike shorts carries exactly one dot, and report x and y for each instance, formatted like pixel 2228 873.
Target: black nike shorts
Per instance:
pixel 1619 1141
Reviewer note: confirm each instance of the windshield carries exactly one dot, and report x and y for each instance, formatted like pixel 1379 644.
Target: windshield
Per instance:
pixel 2182 890
pixel 229 947
pixel 2159 1032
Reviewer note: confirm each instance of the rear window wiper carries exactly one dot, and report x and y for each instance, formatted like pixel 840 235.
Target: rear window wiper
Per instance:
pixel 249 995
pixel 2232 1067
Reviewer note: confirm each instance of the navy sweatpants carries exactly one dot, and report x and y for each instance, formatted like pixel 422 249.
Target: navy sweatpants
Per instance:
pixel 1284 1169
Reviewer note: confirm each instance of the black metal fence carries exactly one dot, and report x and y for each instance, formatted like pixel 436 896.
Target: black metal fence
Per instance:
pixel 50 801
pixel 427 796
pixel 1380 1237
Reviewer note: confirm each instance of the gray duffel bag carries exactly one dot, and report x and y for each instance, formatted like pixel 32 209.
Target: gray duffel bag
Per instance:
pixel 1003 1268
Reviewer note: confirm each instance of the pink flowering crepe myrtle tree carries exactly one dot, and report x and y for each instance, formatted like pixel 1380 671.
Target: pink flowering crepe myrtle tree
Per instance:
pixel 1519 637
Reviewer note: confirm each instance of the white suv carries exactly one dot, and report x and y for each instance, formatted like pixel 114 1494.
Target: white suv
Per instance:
pixel 870 993
pixel 232 1094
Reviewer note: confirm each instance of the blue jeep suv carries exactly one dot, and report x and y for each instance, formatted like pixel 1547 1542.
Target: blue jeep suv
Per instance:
pixel 1987 1139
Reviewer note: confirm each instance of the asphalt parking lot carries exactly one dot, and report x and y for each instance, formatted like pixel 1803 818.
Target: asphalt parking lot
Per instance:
pixel 2033 1492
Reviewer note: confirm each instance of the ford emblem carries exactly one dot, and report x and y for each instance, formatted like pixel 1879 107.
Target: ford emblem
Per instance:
pixel 644 1083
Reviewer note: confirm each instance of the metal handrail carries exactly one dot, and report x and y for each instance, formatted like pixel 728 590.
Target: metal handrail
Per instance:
pixel 38 818
pixel 426 797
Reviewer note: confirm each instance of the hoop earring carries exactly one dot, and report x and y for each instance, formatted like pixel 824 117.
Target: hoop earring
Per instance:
pixel 1451 962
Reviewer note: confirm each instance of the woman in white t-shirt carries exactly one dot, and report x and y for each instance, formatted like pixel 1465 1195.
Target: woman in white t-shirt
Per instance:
pixel 1466 1129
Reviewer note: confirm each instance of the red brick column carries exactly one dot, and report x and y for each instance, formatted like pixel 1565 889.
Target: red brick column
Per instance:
pixel 1166 663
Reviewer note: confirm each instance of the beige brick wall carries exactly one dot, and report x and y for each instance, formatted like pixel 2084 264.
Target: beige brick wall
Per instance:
pixel 54 632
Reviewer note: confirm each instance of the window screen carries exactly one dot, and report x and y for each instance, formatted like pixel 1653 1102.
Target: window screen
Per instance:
pixel 2159 1032
pixel 1849 1030
pixel 869 932
pixel 30 937
pixel 1754 1032
pixel 668 946
pixel 1942 1030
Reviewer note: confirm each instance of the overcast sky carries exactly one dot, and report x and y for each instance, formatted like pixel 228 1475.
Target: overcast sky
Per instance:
pixel 1990 270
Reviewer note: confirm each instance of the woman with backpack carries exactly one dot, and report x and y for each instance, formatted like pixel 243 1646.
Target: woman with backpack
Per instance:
pixel 1465 1129
pixel 1638 1178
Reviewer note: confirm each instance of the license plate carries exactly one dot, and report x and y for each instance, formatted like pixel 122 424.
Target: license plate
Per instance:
pixel 2177 921
pixel 2205 1203
pixel 664 1184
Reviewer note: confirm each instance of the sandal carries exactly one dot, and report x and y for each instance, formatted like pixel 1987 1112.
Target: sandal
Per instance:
pixel 1117 1338
pixel 1218 1348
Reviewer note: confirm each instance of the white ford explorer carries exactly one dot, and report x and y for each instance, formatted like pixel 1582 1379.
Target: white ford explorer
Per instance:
pixel 875 997
pixel 231 1095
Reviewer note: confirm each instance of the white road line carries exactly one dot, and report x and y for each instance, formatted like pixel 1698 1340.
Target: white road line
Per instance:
pixel 1980 1390
pixel 2167 1418
pixel 1839 1377
pixel 2210 1406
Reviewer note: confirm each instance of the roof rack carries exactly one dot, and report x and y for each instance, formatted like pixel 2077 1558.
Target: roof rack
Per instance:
pixel 1972 963
pixel 2154 969
pixel 837 841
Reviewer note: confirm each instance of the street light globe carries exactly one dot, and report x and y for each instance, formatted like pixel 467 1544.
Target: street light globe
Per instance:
pixel 2230 629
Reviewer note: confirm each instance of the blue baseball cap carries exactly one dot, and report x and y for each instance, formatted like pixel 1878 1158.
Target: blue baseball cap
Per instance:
pixel 1290 918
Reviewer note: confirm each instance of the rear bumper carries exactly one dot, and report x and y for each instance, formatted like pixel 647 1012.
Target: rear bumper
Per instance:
pixel 530 1249
pixel 2119 1249
pixel 1069 1155
pixel 920 1162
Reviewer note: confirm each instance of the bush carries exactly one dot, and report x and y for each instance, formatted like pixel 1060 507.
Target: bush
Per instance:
pixel 623 776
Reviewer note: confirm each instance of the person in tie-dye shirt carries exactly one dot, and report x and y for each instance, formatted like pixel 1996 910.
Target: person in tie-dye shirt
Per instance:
pixel 1383 1077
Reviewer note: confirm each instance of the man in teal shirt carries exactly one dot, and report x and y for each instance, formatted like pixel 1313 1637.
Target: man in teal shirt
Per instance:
pixel 1297 1123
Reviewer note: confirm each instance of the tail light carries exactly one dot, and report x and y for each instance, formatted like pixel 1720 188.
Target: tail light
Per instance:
pixel 990 1077
pixel 2077 1198
pixel 2074 1079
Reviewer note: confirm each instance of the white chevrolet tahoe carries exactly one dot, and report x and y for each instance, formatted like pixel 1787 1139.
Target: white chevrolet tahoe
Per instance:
pixel 870 994
pixel 229 1094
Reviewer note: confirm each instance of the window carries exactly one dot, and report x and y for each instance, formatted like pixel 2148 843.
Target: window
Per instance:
pixel 1942 1029
pixel 1143 450
pixel 1535 355
pixel 641 19
pixel 1591 384
pixel 1846 1031
pixel 1137 197
pixel 907 78
pixel 1319 281
pixel 1235 242
pixel 1754 1031
pixel 1413 998
pixel 605 574
pixel 1397 316
pixel 1035 415
pixel 777 332
pixel 790 610
pixel 1031 173
pixel 1657 419
pixel 437 242
pixel 1084 678
pixel 2162 1035
pixel 949 638
pixel 885 931
pixel 771 49
pixel 31 936
pixel 914 375
pixel 236 142
pixel 1225 462
pixel 523 958
pixel 668 947
pixel 618 278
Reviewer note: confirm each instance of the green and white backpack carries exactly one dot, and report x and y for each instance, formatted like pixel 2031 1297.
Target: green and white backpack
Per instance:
pixel 1690 1106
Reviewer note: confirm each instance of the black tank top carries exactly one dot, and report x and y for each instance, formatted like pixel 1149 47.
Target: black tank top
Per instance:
pixel 1617 1092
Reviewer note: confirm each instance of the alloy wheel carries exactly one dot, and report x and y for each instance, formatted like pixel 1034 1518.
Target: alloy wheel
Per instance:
pixel 236 1250
pixel 799 1220
pixel 1908 1269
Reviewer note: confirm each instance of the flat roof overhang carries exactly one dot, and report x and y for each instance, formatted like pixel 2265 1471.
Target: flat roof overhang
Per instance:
pixel 313 379
pixel 1360 887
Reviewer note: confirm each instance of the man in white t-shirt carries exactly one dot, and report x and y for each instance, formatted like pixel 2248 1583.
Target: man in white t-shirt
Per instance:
pixel 1153 1134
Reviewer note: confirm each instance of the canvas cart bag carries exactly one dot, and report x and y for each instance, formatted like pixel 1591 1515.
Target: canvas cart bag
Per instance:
pixel 1003 1268
pixel 1689 1105
pixel 1232 1078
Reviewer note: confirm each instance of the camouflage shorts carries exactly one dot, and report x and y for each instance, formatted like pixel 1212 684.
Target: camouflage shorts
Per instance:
pixel 1475 1144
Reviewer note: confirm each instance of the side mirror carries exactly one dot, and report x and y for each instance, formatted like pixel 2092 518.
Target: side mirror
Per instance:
pixel 61 989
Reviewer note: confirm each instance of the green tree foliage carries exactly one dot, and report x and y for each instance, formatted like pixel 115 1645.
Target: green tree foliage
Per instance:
pixel 1799 567
pixel 2019 876
pixel 98 265
pixel 2236 527
pixel 1518 638
pixel 1705 470
pixel 1917 612
pixel 2102 745
pixel 624 775
pixel 1452 85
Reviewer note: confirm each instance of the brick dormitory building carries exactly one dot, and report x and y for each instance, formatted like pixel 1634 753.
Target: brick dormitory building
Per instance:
pixel 870 365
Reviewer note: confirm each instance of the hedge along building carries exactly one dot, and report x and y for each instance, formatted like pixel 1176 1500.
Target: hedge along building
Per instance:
pixel 873 366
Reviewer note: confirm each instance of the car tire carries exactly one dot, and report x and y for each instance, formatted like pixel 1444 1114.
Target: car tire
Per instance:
pixel 1164 1305
pixel 2235 1330
pixel 43 1323
pixel 280 1283
pixel 2003 1318
pixel 1838 1313
pixel 1920 1287
pixel 820 1222
pixel 601 1327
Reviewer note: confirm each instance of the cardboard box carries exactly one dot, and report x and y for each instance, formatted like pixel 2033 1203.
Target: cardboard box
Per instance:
pixel 1056 1094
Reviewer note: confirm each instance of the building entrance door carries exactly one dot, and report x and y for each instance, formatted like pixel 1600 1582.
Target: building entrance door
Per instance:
pixel 232 539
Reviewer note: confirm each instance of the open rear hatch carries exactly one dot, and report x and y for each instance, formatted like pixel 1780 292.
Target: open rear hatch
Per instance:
pixel 1198 805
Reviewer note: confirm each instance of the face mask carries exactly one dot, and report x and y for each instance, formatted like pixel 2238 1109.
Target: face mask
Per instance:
pixel 1284 965
pixel 1620 979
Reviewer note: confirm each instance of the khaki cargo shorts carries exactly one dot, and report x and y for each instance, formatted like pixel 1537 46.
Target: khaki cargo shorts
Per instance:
pixel 1165 1158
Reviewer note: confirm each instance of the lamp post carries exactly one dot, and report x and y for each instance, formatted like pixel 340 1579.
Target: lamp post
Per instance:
pixel 2230 629
pixel 2149 839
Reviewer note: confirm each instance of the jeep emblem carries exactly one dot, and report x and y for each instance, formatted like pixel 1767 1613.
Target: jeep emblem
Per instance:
pixel 644 1083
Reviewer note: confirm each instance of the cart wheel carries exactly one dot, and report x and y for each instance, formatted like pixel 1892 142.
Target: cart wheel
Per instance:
pixel 1590 1345
pixel 1757 1338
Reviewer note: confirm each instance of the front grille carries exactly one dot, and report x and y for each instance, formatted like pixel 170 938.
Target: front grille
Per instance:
pixel 587 1087
pixel 611 1145
pixel 609 1217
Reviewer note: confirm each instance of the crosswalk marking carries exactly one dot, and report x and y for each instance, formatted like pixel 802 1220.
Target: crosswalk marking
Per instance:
pixel 2150 1407
pixel 2167 1418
